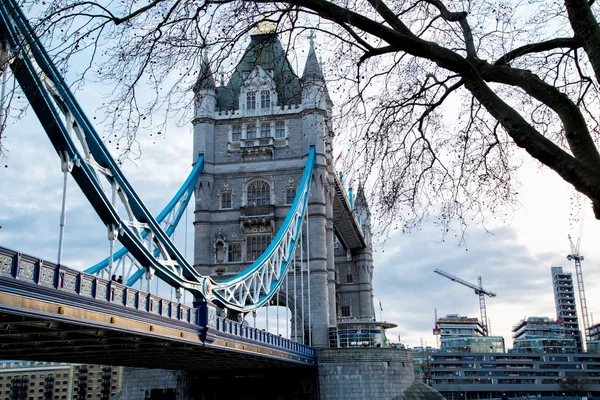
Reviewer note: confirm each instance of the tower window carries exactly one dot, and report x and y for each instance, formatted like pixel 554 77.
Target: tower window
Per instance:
pixel 251 100
pixel 290 195
pixel 236 133
pixel 280 130
pixel 258 193
pixel 251 131
pixel 265 99
pixel 256 245
pixel 235 252
pixel 265 130
pixel 225 200
pixel 349 278
pixel 345 311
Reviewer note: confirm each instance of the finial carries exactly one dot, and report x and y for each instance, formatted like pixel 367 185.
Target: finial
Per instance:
pixel 311 37
pixel 264 27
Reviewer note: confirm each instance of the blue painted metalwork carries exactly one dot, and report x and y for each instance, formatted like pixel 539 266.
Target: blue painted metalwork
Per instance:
pixel 174 209
pixel 257 283
pixel 60 115
pixel 31 277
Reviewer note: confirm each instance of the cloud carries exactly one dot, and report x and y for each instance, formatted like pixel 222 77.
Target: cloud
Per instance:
pixel 410 291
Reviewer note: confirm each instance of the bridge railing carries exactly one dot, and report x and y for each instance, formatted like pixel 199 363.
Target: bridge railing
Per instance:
pixel 46 274
pixel 244 331
pixel 31 270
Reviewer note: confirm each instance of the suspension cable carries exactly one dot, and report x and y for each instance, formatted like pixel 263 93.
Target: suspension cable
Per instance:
pixel 308 281
pixel 302 281
pixel 295 302
pixel 287 307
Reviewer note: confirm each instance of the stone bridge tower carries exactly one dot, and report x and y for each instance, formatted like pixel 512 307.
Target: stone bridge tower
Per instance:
pixel 255 132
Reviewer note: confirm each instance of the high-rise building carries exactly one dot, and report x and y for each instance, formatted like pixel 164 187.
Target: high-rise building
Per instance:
pixel 541 335
pixel 566 308
pixel 466 335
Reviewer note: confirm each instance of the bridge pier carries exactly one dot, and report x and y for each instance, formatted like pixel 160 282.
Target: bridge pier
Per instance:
pixel 346 373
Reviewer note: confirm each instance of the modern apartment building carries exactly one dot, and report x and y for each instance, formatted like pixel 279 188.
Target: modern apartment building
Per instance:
pixel 593 346
pixel 463 334
pixel 541 335
pixel 464 376
pixel 566 308
pixel 31 380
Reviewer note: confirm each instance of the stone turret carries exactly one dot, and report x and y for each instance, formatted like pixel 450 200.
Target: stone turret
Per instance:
pixel 205 97
pixel 314 89
pixel 364 256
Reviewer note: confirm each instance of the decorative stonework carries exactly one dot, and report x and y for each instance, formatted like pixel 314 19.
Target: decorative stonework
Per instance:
pixel 47 276
pixel 130 299
pixel 69 282
pixel 118 296
pixel 86 287
pixel 5 264
pixel 101 291
pixel 26 270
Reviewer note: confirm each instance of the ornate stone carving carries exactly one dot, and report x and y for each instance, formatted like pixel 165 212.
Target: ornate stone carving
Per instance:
pixel 86 287
pixel 69 282
pixel 26 270
pixel 5 264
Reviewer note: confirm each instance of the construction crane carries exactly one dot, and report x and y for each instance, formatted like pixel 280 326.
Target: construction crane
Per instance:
pixel 578 259
pixel 479 290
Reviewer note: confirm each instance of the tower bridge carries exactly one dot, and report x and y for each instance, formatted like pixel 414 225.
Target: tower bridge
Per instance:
pixel 273 226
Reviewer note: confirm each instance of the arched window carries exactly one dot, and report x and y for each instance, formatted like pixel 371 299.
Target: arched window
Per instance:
pixel 258 193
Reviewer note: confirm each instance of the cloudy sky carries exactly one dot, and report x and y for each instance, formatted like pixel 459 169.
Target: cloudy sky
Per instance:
pixel 514 259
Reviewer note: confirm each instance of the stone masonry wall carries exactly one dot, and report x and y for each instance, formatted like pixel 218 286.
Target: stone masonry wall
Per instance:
pixel 363 373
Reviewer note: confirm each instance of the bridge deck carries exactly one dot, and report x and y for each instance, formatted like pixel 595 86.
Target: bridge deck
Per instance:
pixel 344 221
pixel 53 313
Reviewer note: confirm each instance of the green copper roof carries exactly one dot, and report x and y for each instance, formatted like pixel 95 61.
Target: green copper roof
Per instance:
pixel 264 50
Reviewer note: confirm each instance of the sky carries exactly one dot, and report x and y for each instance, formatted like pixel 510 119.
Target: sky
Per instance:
pixel 514 259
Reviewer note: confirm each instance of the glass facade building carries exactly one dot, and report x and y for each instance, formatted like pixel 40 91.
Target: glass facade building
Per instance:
pixel 541 335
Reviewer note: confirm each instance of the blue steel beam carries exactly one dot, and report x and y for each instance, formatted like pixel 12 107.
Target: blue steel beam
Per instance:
pixel 59 114
pixel 50 97
pixel 180 200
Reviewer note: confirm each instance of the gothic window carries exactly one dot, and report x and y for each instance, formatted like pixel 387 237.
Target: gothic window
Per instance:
pixel 251 131
pixel 256 245
pixel 345 311
pixel 290 195
pixel 258 193
pixel 265 130
pixel 280 130
pixel 265 99
pixel 236 133
pixel 220 252
pixel 225 200
pixel 349 278
pixel 235 252
pixel 251 100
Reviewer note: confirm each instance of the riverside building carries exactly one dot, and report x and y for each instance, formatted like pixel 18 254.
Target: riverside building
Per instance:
pixel 541 335
pixel 566 308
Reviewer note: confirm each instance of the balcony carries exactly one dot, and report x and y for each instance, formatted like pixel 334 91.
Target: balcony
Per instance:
pixel 257 215
pixel 257 149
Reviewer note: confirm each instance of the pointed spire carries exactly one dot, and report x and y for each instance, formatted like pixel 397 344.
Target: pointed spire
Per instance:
pixel 205 77
pixel 312 68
